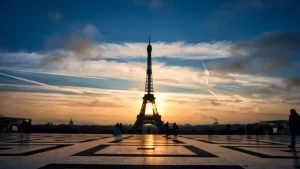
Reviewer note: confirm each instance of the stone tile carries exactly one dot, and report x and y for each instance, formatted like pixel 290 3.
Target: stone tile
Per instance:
pixel 72 151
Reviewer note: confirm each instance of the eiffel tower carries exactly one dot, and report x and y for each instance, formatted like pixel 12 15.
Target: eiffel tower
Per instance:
pixel 143 118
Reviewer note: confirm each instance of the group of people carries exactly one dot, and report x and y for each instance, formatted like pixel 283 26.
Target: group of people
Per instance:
pixel 25 128
pixel 294 126
pixel 173 130
pixel 118 129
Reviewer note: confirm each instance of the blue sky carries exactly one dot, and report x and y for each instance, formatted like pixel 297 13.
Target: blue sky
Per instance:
pixel 215 56
pixel 26 25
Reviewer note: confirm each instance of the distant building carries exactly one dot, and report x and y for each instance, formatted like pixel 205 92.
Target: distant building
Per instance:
pixel 278 126
pixel 7 124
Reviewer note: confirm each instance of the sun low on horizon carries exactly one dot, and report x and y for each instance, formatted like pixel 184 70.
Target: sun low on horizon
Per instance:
pixel 195 62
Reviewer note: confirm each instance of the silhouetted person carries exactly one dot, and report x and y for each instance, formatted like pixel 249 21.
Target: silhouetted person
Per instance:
pixel 261 129
pixel 27 129
pixel 256 128
pixel 228 129
pixel 23 129
pixel 28 126
pixel 167 128
pixel 116 131
pixel 270 130
pixel 247 129
pixel 121 127
pixel 149 130
pixel 293 124
pixel 175 129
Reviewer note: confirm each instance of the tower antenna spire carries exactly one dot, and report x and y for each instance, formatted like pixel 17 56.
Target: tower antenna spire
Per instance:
pixel 149 40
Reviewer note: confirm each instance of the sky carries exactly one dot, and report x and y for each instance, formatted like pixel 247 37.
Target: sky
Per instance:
pixel 230 61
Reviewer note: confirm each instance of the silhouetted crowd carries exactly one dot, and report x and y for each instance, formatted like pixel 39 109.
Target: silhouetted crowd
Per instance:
pixel 173 130
pixel 294 128
pixel 118 129
pixel 25 128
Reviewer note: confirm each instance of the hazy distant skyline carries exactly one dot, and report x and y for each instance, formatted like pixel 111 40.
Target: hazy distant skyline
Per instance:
pixel 234 61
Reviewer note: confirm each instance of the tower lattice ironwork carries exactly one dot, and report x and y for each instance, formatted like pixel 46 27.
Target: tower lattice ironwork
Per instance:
pixel 148 98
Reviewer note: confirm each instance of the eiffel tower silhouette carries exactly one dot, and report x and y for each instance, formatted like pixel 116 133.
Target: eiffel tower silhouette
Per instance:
pixel 143 118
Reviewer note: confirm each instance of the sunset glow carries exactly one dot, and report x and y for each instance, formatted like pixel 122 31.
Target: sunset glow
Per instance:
pixel 149 109
pixel 86 66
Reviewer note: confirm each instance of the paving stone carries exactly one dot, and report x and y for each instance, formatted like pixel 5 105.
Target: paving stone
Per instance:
pixel 92 151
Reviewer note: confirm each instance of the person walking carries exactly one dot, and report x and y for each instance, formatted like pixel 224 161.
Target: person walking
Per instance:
pixel 23 129
pixel 175 129
pixel 29 124
pixel 167 128
pixel 121 128
pixel 116 130
pixel 294 121
pixel 28 129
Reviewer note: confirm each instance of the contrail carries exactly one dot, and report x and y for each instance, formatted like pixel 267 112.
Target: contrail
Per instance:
pixel 206 72
pixel 213 94
pixel 49 73
pixel 207 75
pixel 25 80
pixel 207 81
pixel 39 83
pixel 229 86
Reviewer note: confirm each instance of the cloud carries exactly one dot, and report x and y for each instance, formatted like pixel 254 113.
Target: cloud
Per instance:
pixel 41 71
pixel 82 46
pixel 215 103
pixel 38 106
pixel 133 89
pixel 266 54
pixel 90 31
pixel 79 46
pixel 16 58
pixel 163 74
pixel 45 106
pixel 83 57
pixel 54 16
pixel 180 50
pixel 90 94
pixel 94 103
pixel 292 82
pixel 271 90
